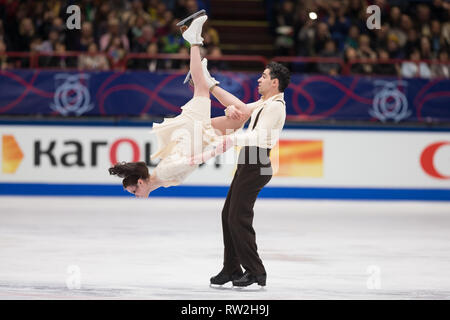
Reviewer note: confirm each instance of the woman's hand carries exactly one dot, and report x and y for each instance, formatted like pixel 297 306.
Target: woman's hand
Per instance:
pixel 226 144
pixel 202 157
pixel 233 112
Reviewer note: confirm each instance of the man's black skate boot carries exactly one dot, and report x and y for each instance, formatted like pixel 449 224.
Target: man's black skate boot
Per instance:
pixel 224 277
pixel 248 279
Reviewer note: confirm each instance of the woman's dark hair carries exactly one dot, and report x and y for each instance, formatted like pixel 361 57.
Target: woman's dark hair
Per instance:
pixel 280 72
pixel 131 172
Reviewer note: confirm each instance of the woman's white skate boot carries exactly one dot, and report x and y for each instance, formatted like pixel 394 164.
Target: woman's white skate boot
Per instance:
pixel 211 81
pixel 193 34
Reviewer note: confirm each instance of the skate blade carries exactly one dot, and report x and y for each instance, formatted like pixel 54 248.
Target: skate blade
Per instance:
pixel 192 16
pixel 188 77
pixel 251 288
pixel 220 287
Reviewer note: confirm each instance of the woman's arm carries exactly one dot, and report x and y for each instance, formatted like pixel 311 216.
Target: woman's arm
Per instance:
pixel 228 99
pixel 222 147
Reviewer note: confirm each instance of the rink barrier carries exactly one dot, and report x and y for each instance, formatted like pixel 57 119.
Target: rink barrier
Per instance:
pixel 190 191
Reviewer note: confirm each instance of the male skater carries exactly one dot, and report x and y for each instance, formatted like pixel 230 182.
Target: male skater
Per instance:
pixel 253 172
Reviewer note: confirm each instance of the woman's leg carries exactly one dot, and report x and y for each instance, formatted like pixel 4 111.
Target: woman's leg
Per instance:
pixel 200 86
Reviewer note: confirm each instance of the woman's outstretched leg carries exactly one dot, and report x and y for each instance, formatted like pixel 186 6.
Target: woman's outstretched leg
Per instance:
pixel 201 88
pixel 193 36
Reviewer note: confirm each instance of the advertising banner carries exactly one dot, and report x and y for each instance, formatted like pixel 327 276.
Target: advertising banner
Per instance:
pixel 306 163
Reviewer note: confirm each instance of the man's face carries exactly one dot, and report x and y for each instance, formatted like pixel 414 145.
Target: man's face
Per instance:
pixel 265 83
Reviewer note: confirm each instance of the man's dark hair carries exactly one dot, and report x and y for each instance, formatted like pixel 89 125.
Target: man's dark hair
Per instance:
pixel 280 72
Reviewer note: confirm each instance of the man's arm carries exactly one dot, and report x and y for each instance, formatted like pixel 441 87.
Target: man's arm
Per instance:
pixel 226 125
pixel 268 128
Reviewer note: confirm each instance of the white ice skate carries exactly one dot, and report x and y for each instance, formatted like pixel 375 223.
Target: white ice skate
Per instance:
pixel 209 79
pixel 193 33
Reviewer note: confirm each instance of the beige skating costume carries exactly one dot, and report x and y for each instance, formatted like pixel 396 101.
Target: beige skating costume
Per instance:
pixel 179 137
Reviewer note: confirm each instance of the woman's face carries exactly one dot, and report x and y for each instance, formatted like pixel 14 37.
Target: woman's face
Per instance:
pixel 140 190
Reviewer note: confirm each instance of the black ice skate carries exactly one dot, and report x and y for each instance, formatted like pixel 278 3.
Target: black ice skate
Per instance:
pixel 223 277
pixel 248 279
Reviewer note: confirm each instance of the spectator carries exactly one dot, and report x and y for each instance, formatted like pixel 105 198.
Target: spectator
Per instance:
pixel 180 10
pixel 216 65
pixel 305 38
pixel 364 52
pixel 152 64
pixel 425 48
pixel 357 13
pixel 145 39
pixel 384 67
pixel 210 36
pixel 182 65
pixel 329 51
pixel 415 68
pixel 61 61
pixel 442 69
pixel 393 48
pixel 4 64
pixel 164 25
pixel 395 15
pixel 153 9
pixel 351 57
pixel 37 11
pixel 321 37
pixel 381 36
pixel 352 38
pixel 49 45
pixel 135 31
pixel 136 13
pixel 412 41
pixel 116 49
pixel 284 43
pixel 436 38
pixel 101 20
pixel 161 14
pixel 338 22
pixel 3 37
pixel 445 31
pixel 423 14
pixel 439 9
pixel 191 6
pixel 87 36
pixel 26 32
pixel 172 42
pixel 58 24
pixel 399 25
pixel 106 40
pixel 93 60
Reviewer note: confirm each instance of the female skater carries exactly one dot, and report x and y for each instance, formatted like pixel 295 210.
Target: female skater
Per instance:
pixel 180 138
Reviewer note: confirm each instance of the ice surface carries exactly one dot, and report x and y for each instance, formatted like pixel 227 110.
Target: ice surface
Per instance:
pixel 167 248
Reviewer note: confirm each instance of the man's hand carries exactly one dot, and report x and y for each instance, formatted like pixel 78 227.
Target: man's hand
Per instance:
pixel 233 113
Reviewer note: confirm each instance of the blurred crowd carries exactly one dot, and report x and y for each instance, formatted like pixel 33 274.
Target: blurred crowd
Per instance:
pixel 114 27
pixel 412 30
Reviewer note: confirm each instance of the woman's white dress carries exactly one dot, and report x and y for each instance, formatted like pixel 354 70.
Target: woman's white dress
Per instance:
pixel 181 137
